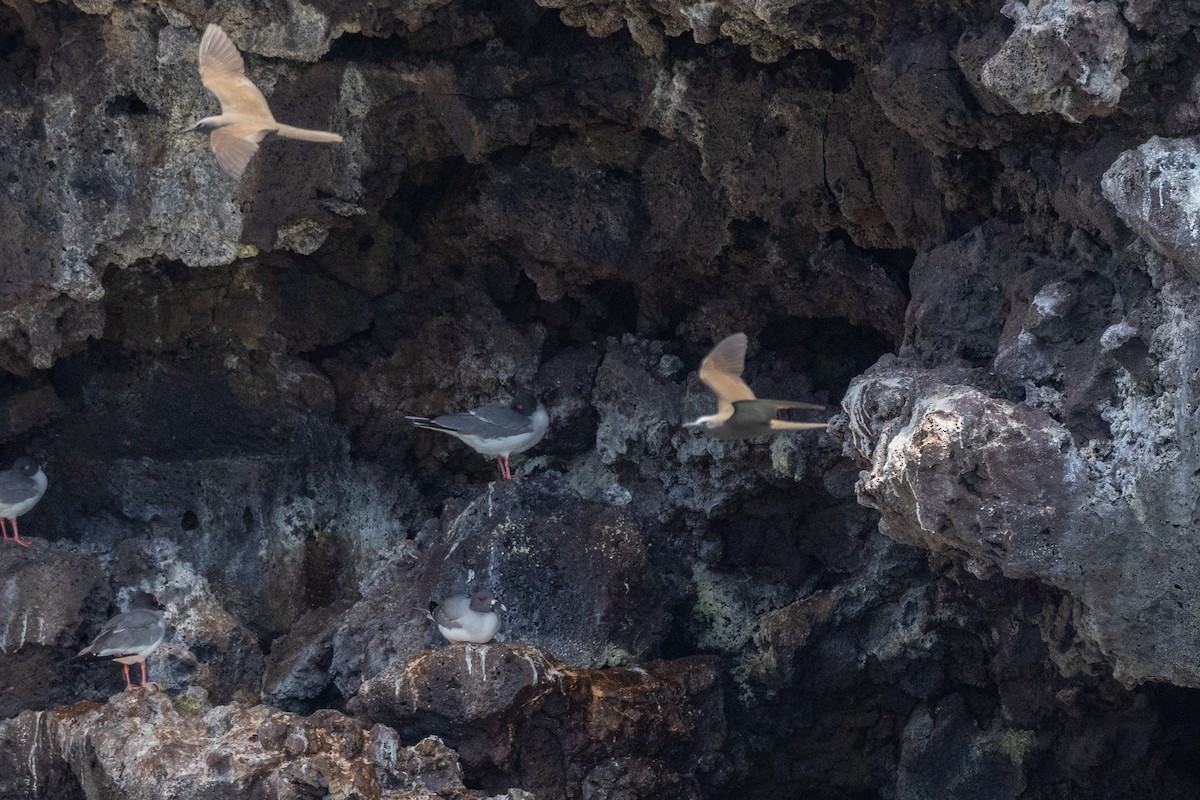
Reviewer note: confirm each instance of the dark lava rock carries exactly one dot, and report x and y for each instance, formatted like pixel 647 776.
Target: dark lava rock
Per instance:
pixel 944 752
pixel 56 599
pixel 566 732
pixel 49 594
pixel 574 575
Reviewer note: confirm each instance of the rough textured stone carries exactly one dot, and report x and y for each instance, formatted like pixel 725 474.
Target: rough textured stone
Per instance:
pixel 957 467
pixel 1153 189
pixel 566 732
pixel 574 575
pixel 943 751
pixel 55 599
pixel 1007 485
pixel 1064 56
pixel 143 745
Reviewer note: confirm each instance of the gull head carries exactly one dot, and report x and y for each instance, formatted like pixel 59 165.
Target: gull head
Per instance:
pixel 203 126
pixel 484 601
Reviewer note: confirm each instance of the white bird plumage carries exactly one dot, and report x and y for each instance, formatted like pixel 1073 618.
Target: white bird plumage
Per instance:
pixel 467 619
pixel 245 118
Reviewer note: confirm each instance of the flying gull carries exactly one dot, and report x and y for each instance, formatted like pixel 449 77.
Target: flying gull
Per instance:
pixel 494 429
pixel 741 415
pixel 245 118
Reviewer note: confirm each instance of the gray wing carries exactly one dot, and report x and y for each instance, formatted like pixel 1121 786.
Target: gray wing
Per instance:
pixel 761 411
pixel 450 612
pixel 15 487
pixel 797 404
pixel 129 633
pixel 492 421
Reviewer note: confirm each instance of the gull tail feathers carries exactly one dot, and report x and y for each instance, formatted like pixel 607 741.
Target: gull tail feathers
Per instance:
pixel 784 425
pixel 429 425
pixel 305 135
pixel 796 404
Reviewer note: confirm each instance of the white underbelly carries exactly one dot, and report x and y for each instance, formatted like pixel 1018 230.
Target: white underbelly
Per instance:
pixel 483 634
pixel 501 447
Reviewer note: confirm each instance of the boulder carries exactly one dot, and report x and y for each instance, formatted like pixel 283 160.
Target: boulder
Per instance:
pixel 145 746
pixel 566 732
pixel 574 574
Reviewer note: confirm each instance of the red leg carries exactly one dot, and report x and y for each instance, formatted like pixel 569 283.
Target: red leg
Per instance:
pixel 128 685
pixel 17 535
pixel 505 471
pixel 144 683
pixel 4 528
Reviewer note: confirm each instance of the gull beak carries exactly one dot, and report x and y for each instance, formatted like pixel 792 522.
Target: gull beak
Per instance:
pixel 691 424
pixel 189 129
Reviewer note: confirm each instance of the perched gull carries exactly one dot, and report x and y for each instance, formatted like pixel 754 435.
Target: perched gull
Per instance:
pixel 467 619
pixel 494 429
pixel 740 415
pixel 131 637
pixel 20 490
pixel 245 119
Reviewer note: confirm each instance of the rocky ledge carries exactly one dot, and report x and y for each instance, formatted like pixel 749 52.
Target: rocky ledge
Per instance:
pixel 143 744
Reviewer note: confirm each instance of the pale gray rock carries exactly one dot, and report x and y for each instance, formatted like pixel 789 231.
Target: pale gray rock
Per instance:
pixel 1005 486
pixel 1064 57
pixel 1155 189
pixel 144 745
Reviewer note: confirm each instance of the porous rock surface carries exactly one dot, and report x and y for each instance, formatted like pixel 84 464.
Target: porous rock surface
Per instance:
pixel 563 731
pixel 143 744
pixel 574 577
pixel 966 224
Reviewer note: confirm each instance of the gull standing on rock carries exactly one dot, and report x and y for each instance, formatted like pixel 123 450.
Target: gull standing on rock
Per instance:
pixel 245 118
pixel 494 429
pixel 741 415
pixel 20 490
pixel 131 637
pixel 467 619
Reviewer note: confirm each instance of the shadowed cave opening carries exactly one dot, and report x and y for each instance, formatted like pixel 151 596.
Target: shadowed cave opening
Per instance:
pixel 18 55
pixel 126 104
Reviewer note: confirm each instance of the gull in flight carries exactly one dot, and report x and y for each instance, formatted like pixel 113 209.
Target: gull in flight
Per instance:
pixel 741 415
pixel 245 119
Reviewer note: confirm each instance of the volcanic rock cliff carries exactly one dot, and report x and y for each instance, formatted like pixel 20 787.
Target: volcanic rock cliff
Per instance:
pixel 968 227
